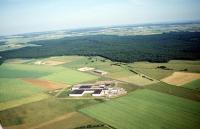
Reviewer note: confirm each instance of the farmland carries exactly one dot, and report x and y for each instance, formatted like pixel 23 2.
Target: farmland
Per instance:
pixel 175 90
pixel 69 76
pixel 39 87
pixel 11 89
pixel 48 109
pixel 21 71
pixel 181 78
pixel 195 85
pixel 147 109
pixel 25 94
pixel 132 64
pixel 153 70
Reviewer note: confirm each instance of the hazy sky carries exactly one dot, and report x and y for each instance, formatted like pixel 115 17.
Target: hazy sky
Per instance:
pixel 20 16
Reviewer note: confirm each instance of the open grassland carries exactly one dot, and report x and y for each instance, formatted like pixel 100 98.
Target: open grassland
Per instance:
pixel 175 90
pixel 65 59
pixel 51 73
pixel 146 109
pixel 46 113
pixel 95 62
pixel 23 71
pixel 69 76
pixel 151 69
pixel 82 61
pixel 120 73
pixel 13 89
pixel 17 61
pixel 116 70
pixel 137 79
pixel 127 76
pixel 128 87
pixel 22 101
pixel 195 85
pixel 73 120
pixel 181 78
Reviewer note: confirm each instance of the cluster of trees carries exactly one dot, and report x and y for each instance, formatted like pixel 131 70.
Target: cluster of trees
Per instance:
pixel 90 126
pixel 153 48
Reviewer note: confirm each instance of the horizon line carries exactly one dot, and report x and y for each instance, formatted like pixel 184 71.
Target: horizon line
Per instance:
pixel 109 26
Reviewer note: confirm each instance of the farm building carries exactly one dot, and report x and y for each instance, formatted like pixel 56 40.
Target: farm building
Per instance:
pixel 82 87
pixel 96 90
pixel 77 93
pixel 100 72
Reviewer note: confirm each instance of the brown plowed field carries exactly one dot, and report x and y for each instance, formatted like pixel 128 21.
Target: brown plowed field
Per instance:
pixel 45 84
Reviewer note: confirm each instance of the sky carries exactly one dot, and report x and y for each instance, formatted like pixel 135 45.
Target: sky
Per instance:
pixel 23 16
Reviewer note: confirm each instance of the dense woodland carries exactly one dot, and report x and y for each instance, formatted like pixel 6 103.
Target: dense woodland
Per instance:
pixel 153 48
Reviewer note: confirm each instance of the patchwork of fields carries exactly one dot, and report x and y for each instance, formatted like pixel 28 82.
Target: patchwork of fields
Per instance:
pixel 60 111
pixel 69 76
pixel 11 89
pixel 23 82
pixel 28 91
pixel 181 78
pixel 146 109
pixel 152 70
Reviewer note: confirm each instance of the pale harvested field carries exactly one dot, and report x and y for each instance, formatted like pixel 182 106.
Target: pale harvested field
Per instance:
pixel 83 69
pixel 49 62
pixel 181 78
pixel 45 84
pixel 52 62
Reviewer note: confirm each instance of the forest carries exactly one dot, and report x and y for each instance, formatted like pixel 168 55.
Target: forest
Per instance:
pixel 153 48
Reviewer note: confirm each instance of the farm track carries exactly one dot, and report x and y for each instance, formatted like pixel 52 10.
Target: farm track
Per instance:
pixel 68 115
pixel 62 90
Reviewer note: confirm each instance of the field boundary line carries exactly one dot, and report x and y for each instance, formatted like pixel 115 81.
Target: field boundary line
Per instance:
pixel 19 102
pixel 67 115
pixel 62 90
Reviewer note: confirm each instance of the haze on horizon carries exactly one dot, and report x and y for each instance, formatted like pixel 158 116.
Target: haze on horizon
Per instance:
pixel 23 16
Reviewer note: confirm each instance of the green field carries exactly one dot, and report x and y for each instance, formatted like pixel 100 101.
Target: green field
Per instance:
pixel 146 109
pixel 195 85
pixel 175 90
pixel 69 76
pixel 48 109
pixel 22 101
pixel 52 73
pixel 12 89
pixel 21 71
pixel 116 70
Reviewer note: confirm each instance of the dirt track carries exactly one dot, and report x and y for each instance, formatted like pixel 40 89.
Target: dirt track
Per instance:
pixel 68 115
